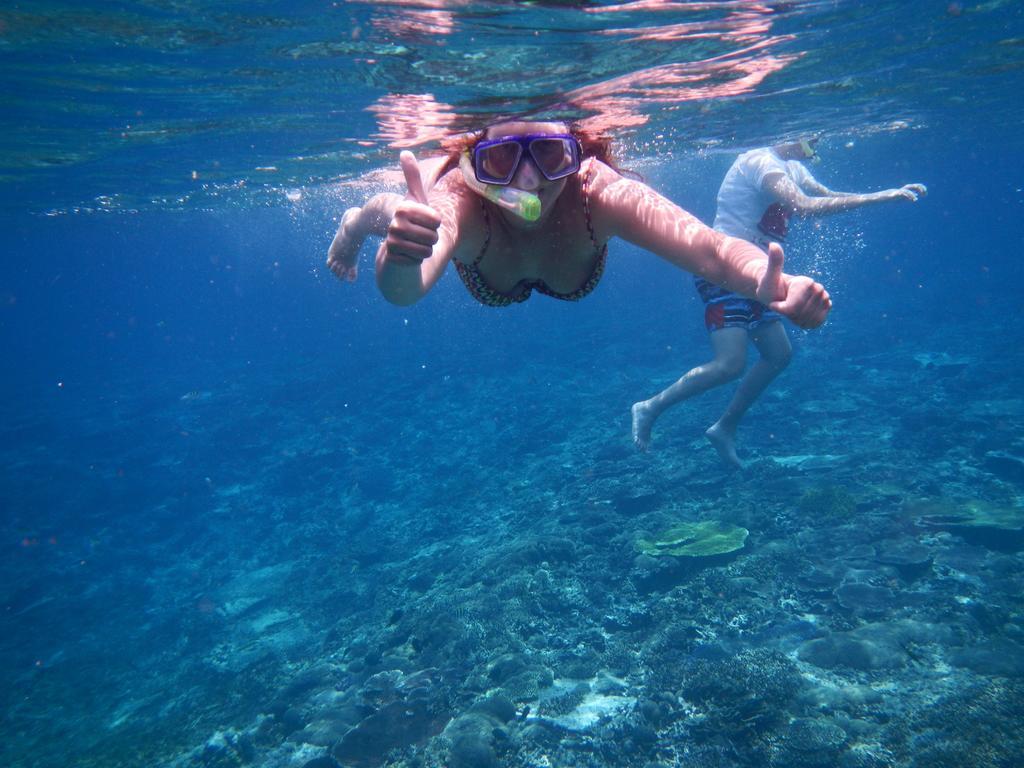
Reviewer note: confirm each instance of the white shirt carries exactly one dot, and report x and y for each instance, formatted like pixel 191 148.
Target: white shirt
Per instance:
pixel 743 202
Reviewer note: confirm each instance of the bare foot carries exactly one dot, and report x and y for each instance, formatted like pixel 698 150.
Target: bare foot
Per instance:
pixel 643 420
pixel 343 255
pixel 725 443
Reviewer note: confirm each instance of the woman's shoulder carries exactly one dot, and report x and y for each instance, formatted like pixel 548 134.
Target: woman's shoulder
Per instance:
pixel 597 182
pixel 597 168
pixel 597 176
pixel 615 198
pixel 604 185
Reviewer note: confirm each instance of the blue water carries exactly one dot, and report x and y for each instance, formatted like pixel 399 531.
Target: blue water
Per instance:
pixel 252 516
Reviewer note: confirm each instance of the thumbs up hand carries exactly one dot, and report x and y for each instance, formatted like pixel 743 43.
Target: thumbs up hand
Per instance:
pixel 413 231
pixel 799 298
pixel 769 288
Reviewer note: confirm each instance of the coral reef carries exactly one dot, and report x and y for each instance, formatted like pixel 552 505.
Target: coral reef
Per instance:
pixel 281 590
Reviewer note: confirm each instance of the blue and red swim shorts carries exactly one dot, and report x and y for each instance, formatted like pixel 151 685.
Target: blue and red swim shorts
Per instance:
pixel 737 312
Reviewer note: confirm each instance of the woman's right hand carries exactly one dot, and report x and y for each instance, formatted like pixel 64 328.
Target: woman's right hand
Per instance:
pixel 413 231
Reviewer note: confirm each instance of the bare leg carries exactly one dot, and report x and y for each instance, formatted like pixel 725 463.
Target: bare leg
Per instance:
pixel 773 344
pixel 730 347
pixel 356 225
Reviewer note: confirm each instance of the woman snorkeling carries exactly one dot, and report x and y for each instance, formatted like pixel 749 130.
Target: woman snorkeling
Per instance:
pixel 525 206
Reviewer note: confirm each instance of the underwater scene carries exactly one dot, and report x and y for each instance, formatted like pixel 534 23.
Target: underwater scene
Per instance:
pixel 252 514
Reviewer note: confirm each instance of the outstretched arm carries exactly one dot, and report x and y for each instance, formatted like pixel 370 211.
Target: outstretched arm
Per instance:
pixel 824 201
pixel 816 188
pixel 633 211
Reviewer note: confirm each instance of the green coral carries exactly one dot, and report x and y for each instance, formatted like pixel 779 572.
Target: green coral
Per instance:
pixel 976 514
pixel 996 526
pixel 701 539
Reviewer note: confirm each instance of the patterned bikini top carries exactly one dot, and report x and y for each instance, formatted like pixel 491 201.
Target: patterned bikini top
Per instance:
pixel 485 294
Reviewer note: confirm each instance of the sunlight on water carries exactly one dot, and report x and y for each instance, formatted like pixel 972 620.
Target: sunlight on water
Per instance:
pixel 230 107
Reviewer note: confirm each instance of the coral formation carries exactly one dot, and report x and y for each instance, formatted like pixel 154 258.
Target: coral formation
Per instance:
pixel 706 538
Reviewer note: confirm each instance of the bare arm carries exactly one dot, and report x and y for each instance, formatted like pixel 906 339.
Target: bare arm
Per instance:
pixel 637 213
pixel 421 238
pixel 826 202
pixel 633 211
pixel 818 189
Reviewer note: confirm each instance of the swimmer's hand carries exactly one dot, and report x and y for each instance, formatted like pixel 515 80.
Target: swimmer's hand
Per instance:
pixel 799 298
pixel 912 192
pixel 909 192
pixel 412 233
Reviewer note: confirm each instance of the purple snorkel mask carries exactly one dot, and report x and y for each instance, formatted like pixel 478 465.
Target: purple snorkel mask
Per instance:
pixel 556 155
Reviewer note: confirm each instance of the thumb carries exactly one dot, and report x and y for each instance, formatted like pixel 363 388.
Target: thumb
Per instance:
pixel 411 169
pixel 768 287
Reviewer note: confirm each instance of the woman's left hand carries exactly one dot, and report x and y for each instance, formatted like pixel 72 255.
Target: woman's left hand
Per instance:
pixel 799 298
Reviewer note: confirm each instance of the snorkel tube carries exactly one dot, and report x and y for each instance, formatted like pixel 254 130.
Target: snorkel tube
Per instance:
pixel 525 205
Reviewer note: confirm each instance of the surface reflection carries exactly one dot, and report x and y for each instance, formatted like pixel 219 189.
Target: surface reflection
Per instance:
pixel 408 120
pixel 718 51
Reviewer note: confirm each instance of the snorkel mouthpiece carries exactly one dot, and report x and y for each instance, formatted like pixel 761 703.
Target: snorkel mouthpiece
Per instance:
pixel 525 205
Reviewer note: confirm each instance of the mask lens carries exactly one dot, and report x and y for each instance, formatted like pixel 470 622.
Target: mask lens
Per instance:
pixel 555 157
pixel 498 162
